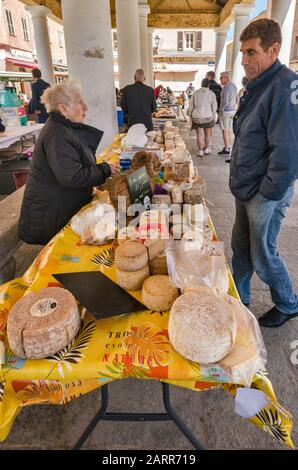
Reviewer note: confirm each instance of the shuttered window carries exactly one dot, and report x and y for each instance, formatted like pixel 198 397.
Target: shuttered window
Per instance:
pixel 198 40
pixel 9 22
pixel 25 29
pixel 180 41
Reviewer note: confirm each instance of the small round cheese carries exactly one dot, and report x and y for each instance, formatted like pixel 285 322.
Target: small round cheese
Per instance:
pixel 202 326
pixel 158 265
pixel 131 256
pixel 42 324
pixel 158 293
pixel 132 280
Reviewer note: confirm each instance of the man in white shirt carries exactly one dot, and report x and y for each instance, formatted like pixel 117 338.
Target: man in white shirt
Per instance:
pixel 227 110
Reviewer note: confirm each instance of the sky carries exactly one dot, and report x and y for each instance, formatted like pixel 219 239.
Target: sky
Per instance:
pixel 260 6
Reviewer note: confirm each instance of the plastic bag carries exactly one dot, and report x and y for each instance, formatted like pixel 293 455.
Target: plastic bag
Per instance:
pixel 197 262
pixel 249 353
pixel 95 225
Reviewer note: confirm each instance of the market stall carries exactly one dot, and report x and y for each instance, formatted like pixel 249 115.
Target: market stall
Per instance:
pixel 138 344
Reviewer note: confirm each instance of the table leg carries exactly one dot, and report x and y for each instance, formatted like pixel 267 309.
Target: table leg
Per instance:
pixel 171 415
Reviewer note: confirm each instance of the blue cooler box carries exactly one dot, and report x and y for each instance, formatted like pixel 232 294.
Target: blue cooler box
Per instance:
pixel 120 116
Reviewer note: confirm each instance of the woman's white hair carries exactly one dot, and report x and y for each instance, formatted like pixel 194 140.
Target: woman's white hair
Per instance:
pixel 62 93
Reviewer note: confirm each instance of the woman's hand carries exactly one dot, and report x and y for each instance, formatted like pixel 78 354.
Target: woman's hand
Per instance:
pixel 115 169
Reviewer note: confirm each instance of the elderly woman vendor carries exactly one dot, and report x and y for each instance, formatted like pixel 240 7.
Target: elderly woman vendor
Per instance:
pixel 63 170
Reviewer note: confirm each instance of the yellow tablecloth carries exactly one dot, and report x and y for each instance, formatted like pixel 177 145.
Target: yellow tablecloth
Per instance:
pixel 135 345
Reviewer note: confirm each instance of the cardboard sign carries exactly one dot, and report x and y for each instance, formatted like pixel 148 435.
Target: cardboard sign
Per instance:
pixel 139 186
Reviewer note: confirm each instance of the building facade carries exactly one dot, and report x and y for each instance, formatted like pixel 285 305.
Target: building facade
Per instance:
pixel 17 42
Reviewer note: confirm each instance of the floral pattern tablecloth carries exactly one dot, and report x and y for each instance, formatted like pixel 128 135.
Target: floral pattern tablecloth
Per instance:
pixel 135 345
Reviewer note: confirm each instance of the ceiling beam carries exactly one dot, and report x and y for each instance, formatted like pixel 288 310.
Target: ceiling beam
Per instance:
pixel 183 20
pixel 53 5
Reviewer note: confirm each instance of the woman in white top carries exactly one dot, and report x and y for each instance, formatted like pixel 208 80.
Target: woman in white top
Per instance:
pixel 202 111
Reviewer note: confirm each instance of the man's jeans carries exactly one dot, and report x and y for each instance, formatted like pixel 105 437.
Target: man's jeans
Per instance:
pixel 255 234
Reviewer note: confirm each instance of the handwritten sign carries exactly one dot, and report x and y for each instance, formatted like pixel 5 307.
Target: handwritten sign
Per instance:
pixel 139 186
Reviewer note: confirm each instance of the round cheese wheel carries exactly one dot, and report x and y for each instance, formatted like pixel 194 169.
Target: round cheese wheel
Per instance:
pixel 131 256
pixel 202 326
pixel 42 324
pixel 132 280
pixel 158 293
pixel 158 265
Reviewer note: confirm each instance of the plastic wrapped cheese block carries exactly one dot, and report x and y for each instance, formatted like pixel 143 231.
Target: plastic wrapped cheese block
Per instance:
pixel 42 324
pixel 96 224
pixel 202 326
pixel 132 280
pixel 131 256
pixel 158 293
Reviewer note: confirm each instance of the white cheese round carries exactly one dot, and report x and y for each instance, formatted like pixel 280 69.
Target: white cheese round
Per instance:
pixel 202 326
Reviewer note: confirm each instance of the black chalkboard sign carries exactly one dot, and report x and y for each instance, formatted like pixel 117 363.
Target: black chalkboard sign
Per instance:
pixel 139 186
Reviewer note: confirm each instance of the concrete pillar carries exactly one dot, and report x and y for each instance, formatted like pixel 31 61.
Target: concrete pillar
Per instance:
pixel 150 57
pixel 241 13
pixel 220 51
pixel 90 60
pixel 128 40
pixel 144 11
pixel 283 11
pixel 42 41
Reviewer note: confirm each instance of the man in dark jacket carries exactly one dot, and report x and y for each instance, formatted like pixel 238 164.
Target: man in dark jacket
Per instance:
pixel 214 86
pixel 264 167
pixel 38 87
pixel 138 102
pixel 2 127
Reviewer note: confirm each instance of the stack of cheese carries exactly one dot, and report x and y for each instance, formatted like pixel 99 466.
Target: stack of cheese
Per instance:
pixel 158 293
pixel 132 268
pixel 42 324
pixel 202 326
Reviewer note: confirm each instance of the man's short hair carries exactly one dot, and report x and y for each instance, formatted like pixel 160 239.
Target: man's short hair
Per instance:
pixel 268 31
pixel 139 75
pixel 205 83
pixel 36 73
pixel 210 74
pixel 225 74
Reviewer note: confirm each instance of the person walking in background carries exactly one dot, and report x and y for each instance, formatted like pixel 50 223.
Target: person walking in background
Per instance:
pixel 214 86
pixel 227 110
pixel 158 91
pixel 38 87
pixel 190 90
pixel 264 167
pixel 202 112
pixel 138 102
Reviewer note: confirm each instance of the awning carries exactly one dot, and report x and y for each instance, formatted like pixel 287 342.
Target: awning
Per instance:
pixel 175 75
pixel 22 63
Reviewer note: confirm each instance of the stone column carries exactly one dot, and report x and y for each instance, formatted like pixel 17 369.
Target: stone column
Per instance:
pixel 150 57
pixel 144 11
pixel 220 51
pixel 90 60
pixel 42 41
pixel 284 13
pixel 241 13
pixel 128 40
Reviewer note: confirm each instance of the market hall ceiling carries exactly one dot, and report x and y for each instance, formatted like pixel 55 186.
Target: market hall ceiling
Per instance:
pixel 172 13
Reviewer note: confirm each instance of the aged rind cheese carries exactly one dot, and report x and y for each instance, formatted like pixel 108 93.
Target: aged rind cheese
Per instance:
pixel 202 326
pixel 161 199
pixel 42 324
pixel 193 196
pixel 158 265
pixel 131 256
pixel 132 280
pixel 158 293
pixel 155 247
